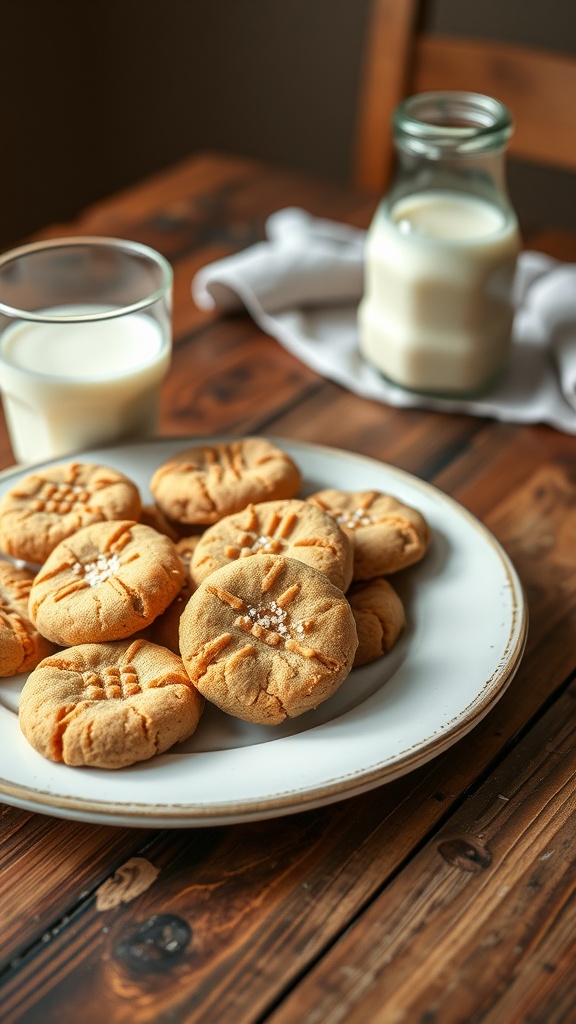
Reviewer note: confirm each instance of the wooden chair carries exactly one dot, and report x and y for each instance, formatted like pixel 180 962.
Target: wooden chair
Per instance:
pixel 538 87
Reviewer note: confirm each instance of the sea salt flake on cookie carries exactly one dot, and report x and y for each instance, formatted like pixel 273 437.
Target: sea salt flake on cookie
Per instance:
pixel 106 582
pixel 267 638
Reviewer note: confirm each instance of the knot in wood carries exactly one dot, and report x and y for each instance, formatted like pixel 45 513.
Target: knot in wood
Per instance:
pixel 465 854
pixel 155 945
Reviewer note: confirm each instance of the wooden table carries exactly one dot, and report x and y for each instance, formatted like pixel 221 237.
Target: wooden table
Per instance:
pixel 444 896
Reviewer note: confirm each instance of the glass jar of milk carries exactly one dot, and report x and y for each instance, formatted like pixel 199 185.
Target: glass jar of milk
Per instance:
pixel 436 315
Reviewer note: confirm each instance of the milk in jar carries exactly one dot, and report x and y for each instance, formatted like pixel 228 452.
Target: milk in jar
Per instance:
pixel 436 314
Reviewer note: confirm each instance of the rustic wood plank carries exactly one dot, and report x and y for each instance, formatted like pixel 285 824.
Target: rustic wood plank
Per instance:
pixel 212 199
pixel 53 865
pixel 416 440
pixel 146 199
pixel 482 920
pixel 229 378
pixel 501 454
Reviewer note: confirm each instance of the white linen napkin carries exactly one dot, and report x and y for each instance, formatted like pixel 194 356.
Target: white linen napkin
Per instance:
pixel 303 284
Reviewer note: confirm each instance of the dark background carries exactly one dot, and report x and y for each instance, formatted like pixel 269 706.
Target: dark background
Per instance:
pixel 96 94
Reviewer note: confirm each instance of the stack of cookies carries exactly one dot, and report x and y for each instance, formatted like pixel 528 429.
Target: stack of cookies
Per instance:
pixel 230 588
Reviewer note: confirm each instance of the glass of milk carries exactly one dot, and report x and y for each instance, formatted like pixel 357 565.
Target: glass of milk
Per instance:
pixel 436 315
pixel 85 342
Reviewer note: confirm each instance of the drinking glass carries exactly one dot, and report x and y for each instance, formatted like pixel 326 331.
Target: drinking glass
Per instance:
pixel 85 343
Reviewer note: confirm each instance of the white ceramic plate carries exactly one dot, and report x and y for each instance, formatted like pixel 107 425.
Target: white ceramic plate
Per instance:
pixel 466 633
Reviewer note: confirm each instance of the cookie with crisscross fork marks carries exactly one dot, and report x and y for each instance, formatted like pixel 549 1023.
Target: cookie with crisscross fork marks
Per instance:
pixel 387 534
pixel 105 582
pixel 21 645
pixel 293 528
pixel 205 483
pixel 108 705
pixel 267 638
pixel 51 504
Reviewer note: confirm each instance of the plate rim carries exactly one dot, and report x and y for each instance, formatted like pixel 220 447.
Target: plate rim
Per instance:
pixel 134 813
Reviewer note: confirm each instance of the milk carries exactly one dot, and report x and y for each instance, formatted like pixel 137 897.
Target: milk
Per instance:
pixel 436 314
pixel 69 386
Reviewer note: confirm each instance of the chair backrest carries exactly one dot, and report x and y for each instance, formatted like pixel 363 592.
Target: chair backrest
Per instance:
pixel 538 87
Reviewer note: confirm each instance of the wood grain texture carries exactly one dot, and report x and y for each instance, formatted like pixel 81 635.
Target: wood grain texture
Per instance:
pixel 483 919
pixel 216 386
pixel 52 865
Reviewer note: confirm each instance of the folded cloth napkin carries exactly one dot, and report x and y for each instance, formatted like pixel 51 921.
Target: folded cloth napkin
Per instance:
pixel 303 284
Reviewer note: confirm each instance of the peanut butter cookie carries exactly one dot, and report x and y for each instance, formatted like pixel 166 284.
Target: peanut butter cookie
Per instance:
pixel 387 535
pixel 379 616
pixel 152 516
pixel 165 628
pixel 51 504
pixel 21 645
pixel 108 705
pixel 105 582
pixel 267 638
pixel 294 528
pixel 186 547
pixel 205 483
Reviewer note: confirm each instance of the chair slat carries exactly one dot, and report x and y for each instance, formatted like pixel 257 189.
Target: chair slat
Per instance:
pixel 538 87
pixel 389 34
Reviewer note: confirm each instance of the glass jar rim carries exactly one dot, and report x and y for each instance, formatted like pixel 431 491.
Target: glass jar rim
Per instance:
pixel 455 121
